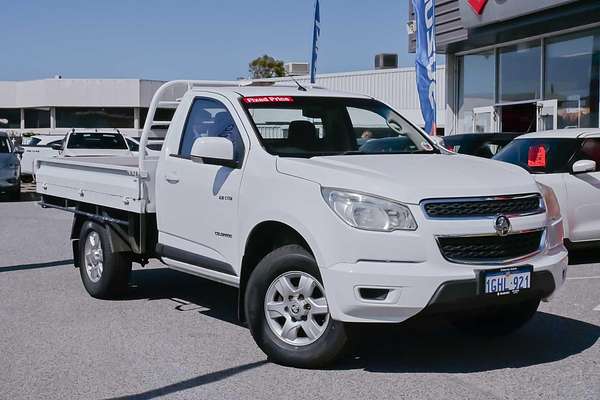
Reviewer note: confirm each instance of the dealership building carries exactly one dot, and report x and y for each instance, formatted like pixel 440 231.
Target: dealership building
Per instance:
pixel 57 105
pixel 519 66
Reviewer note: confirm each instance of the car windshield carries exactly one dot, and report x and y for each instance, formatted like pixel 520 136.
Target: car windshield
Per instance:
pixel 96 140
pixel 313 126
pixel 4 146
pixel 540 155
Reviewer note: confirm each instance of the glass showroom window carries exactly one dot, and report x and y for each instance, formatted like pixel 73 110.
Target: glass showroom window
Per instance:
pixel 476 88
pixel 572 77
pixel 37 118
pixel 72 117
pixel 519 72
pixel 13 115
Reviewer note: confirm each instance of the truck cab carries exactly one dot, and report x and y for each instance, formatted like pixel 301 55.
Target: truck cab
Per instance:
pixel 280 192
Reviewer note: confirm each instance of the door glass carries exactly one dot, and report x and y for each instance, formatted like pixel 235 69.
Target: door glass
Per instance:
pixel 210 118
pixel 519 72
pixel 476 86
pixel 572 65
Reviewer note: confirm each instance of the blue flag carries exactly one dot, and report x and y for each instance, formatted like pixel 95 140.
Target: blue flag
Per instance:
pixel 315 46
pixel 425 19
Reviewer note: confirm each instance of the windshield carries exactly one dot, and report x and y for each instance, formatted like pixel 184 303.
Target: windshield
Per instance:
pixel 313 126
pixel 540 156
pixel 95 140
pixel 4 146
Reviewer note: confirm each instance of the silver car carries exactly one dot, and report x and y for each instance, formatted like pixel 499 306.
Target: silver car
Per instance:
pixel 10 168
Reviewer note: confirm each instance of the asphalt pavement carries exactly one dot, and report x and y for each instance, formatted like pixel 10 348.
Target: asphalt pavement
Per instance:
pixel 176 336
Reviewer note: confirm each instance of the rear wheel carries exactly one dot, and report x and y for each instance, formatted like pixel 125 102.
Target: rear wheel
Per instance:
pixel 287 310
pixel 104 273
pixel 497 320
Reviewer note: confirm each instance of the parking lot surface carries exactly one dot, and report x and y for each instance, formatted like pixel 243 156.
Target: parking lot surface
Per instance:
pixel 176 336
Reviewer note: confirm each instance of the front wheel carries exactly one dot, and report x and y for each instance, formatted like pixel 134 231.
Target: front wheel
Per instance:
pixel 497 320
pixel 104 273
pixel 287 310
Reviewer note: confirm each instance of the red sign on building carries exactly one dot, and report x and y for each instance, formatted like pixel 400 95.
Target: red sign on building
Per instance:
pixel 477 5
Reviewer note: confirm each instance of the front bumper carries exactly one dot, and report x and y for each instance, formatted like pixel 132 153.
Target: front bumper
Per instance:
pixel 435 286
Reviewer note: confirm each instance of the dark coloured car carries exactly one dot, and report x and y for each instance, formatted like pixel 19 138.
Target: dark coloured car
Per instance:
pixel 484 145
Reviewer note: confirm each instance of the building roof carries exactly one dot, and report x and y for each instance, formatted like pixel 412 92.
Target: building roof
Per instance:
pixel 77 93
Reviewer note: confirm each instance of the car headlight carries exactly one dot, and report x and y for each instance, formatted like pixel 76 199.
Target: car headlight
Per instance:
pixel 369 212
pixel 550 201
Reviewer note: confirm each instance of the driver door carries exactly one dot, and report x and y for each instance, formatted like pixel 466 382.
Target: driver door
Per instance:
pixel 198 202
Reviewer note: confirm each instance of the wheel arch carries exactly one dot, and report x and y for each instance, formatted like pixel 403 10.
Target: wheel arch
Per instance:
pixel 265 237
pixel 118 243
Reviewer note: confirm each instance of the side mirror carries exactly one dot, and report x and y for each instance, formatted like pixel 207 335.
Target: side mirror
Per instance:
pixel 213 150
pixel 57 146
pixel 19 150
pixel 583 166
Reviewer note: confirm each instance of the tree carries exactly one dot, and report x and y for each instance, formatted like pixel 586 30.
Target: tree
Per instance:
pixel 266 67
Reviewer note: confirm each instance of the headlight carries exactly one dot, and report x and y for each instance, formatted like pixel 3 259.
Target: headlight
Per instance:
pixel 368 212
pixel 551 202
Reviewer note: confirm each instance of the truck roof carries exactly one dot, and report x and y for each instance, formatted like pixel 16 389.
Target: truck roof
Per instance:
pixel 278 90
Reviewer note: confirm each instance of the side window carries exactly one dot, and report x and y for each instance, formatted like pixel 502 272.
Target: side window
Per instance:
pixel 133 146
pixel 591 151
pixel 210 118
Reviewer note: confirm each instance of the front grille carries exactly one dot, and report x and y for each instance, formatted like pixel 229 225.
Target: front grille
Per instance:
pixel 483 207
pixel 482 249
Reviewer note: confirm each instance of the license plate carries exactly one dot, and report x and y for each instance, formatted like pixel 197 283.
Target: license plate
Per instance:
pixel 506 280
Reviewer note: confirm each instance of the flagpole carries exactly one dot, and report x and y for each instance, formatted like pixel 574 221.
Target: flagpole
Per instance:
pixel 315 43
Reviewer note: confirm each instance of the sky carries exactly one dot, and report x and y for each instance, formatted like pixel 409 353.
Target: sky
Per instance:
pixel 192 39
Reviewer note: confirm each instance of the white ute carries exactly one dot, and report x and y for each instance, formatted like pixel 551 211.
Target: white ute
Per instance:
pixel 266 189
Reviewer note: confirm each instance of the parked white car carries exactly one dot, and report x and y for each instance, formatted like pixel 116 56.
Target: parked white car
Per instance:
pixel 88 143
pixel 39 146
pixel 568 161
pixel 265 189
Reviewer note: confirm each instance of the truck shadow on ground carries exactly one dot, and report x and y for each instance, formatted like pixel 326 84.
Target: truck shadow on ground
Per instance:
pixel 426 345
pixel 429 345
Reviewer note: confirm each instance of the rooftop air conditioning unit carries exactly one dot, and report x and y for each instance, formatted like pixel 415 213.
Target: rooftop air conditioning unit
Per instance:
pixel 296 69
pixel 386 61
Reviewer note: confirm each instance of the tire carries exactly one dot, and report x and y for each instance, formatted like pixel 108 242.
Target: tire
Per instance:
pixel 326 338
pixel 499 320
pixel 27 178
pixel 104 273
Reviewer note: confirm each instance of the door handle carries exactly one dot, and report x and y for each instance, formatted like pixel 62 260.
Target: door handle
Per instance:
pixel 171 178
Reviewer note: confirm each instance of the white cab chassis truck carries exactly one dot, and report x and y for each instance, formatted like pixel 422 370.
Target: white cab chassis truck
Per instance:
pixel 323 208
